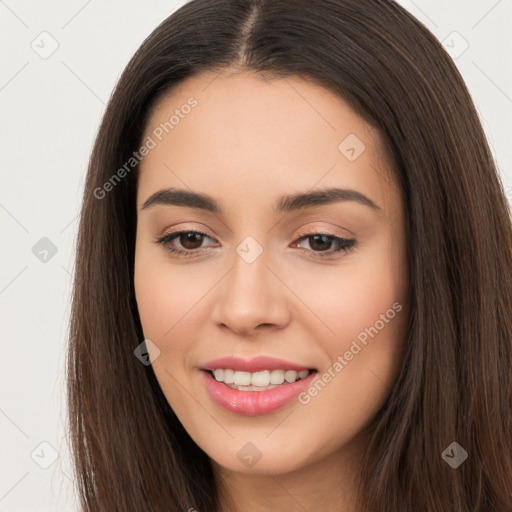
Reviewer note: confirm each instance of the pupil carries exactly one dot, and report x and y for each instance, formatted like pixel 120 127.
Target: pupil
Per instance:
pixel 192 238
pixel 321 237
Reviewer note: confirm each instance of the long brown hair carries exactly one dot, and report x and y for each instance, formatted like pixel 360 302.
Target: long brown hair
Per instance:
pixel 130 451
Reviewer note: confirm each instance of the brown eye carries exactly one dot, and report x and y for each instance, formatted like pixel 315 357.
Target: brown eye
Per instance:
pixel 189 242
pixel 320 242
pixel 323 245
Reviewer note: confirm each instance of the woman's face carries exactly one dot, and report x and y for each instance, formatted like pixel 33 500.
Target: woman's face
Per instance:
pixel 285 268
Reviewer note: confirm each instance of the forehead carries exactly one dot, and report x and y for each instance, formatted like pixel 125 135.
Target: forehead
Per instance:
pixel 247 133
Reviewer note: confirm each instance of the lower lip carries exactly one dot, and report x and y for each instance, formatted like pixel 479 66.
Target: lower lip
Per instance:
pixel 254 403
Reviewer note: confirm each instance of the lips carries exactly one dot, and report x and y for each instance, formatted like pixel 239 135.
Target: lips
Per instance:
pixel 256 364
pixel 254 403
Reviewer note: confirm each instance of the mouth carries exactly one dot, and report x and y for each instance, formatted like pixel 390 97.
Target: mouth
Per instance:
pixel 249 394
pixel 258 381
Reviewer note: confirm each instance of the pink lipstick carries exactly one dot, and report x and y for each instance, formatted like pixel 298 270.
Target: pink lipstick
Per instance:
pixel 234 387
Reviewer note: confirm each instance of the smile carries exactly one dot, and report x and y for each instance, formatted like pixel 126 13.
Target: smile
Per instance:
pixel 257 381
pixel 255 400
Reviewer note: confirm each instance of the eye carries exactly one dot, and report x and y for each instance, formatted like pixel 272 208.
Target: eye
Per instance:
pixel 322 245
pixel 190 241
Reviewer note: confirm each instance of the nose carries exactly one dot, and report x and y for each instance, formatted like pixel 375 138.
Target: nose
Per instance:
pixel 251 297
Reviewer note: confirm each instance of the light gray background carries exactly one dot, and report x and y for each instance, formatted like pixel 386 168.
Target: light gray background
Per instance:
pixel 51 108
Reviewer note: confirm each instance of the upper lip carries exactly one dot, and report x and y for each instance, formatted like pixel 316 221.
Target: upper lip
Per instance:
pixel 256 364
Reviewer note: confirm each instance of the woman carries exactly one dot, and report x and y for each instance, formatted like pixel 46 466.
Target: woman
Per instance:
pixel 293 282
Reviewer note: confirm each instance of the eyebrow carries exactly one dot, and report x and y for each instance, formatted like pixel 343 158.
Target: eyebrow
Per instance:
pixel 285 204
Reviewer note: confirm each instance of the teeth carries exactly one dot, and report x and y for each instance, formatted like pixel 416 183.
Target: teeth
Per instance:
pixel 259 379
pixel 228 376
pixel 290 376
pixel 277 377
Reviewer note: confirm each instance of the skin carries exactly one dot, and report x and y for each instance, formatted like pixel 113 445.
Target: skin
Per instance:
pixel 246 143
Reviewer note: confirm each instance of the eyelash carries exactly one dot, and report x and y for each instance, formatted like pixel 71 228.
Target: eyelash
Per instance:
pixel 345 245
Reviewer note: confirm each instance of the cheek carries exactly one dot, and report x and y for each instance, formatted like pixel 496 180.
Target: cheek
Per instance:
pixel 362 307
pixel 352 297
pixel 165 299
pixel 165 293
pixel 170 299
pixel 153 296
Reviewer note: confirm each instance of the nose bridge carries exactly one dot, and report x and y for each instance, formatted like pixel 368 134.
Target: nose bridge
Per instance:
pixel 248 279
pixel 250 263
pixel 250 294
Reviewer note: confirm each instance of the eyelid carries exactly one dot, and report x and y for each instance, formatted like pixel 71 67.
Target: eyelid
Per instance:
pixel 345 244
pixel 301 233
pixel 320 230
